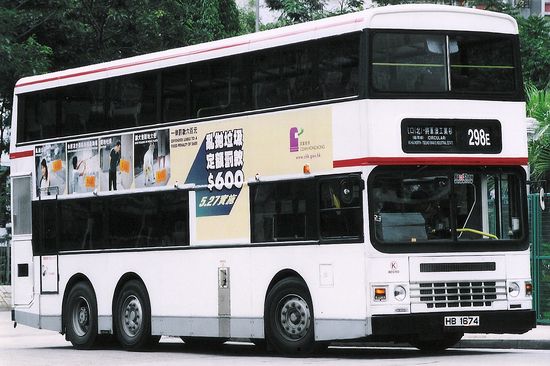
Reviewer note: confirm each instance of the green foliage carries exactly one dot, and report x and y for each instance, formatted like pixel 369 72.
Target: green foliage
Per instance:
pixel 87 31
pixel 534 36
pixel 298 11
pixel 538 107
pixel 21 54
pixel 4 196
pixel 247 18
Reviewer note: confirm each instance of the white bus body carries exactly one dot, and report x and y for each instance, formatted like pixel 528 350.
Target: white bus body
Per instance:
pixel 217 283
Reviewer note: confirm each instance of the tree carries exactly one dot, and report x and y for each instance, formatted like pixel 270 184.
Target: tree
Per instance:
pixel 82 32
pixel 534 37
pixel 21 55
pixel 297 11
pixel 538 107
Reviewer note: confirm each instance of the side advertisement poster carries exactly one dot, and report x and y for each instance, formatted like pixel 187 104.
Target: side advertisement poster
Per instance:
pixel 218 158
pixel 151 158
pixel 83 166
pixel 116 153
pixel 51 169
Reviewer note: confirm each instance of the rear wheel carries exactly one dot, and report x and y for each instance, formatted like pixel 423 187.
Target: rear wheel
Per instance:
pixel 289 317
pixel 80 316
pixel 433 345
pixel 133 316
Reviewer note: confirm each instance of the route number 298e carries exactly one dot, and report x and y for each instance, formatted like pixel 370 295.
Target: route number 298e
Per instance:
pixel 478 137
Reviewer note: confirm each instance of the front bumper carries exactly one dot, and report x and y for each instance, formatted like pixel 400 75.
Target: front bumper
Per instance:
pixel 506 321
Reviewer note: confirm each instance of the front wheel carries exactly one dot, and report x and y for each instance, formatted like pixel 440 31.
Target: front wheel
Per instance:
pixel 289 318
pixel 133 316
pixel 80 316
pixel 437 345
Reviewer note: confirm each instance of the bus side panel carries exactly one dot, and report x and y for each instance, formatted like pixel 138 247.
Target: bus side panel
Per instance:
pixel 336 286
pixel 184 287
pixel 23 264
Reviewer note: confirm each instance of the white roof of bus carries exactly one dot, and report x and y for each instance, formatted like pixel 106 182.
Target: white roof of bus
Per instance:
pixel 427 17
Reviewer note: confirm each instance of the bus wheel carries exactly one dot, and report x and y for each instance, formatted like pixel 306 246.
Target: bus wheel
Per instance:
pixel 289 317
pixel 80 316
pixel 446 340
pixel 133 316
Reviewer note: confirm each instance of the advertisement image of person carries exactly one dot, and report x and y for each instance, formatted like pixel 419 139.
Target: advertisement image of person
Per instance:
pixel 79 168
pixel 148 165
pixel 162 150
pixel 44 179
pixel 114 161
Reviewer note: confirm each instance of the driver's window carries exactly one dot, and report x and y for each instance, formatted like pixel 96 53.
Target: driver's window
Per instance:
pixel 341 208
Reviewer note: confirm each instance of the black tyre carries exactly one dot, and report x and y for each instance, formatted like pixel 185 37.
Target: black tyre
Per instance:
pixel 439 344
pixel 289 319
pixel 80 316
pixel 132 315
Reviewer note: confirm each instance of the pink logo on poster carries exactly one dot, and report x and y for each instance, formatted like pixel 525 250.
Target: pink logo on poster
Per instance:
pixel 294 139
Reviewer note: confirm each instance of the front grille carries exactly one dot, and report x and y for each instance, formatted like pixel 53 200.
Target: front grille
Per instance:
pixel 458 294
pixel 458 267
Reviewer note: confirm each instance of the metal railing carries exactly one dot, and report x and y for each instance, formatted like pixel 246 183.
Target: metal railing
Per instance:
pixel 539 235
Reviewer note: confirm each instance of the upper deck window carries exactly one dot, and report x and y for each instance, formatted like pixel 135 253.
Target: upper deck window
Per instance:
pixel 408 63
pixel 448 65
pixel 482 64
pixel 278 77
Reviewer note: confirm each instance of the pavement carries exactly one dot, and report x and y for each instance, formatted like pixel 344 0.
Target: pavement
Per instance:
pixel 538 338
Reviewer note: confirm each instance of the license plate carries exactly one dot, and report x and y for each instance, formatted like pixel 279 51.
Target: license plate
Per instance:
pixel 461 321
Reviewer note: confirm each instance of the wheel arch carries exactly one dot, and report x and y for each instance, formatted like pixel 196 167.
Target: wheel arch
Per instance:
pixel 281 275
pixel 75 278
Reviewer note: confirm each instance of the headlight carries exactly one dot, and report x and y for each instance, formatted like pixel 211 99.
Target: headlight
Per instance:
pixel 513 289
pixel 399 293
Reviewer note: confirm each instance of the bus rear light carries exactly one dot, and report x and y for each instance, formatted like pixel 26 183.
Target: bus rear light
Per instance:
pixel 307 169
pixel 528 289
pixel 379 294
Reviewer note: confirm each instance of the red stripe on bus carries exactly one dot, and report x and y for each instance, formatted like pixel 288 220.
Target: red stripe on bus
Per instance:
pixel 196 52
pixel 429 161
pixel 21 154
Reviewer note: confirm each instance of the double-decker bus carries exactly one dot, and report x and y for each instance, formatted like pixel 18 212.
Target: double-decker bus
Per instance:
pixel 358 177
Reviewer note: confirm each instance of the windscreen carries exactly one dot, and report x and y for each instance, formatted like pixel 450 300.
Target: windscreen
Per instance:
pixel 444 63
pixel 437 205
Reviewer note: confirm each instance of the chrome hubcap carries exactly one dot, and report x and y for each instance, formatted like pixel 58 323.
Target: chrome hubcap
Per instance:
pixel 294 317
pixel 81 317
pixel 132 316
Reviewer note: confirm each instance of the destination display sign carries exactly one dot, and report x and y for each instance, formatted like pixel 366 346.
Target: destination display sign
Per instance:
pixel 451 136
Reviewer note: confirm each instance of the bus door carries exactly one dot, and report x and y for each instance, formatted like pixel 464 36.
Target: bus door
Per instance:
pixel 21 248
pixel 46 242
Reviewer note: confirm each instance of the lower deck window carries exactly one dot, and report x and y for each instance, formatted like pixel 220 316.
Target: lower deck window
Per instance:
pixel 327 208
pixel 113 222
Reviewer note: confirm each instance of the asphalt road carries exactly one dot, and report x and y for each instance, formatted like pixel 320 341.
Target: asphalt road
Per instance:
pixel 28 346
